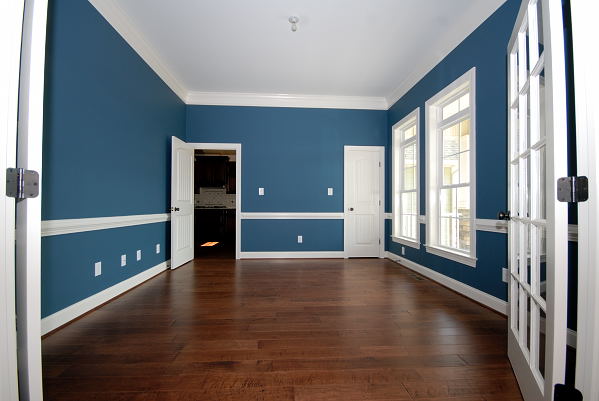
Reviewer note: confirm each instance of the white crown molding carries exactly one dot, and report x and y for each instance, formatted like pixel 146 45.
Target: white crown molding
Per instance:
pixel 70 226
pixel 286 100
pixel 119 20
pixel 63 316
pixel 294 255
pixel 471 19
pixel 291 216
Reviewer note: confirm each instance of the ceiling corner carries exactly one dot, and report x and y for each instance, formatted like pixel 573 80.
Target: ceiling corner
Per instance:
pixel 118 19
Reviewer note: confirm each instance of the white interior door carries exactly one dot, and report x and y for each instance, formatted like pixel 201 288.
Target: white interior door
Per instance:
pixel 363 171
pixel 181 203
pixel 11 18
pixel 586 82
pixel 538 241
pixel 28 212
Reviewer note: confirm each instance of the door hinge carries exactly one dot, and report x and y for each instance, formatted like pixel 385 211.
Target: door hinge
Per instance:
pixel 566 393
pixel 22 184
pixel 573 189
pixel 379 241
pixel 380 165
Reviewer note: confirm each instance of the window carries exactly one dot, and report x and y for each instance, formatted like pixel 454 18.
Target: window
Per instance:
pixel 406 134
pixel 451 191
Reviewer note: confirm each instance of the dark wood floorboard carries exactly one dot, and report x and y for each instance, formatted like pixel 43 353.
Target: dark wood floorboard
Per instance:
pixel 303 330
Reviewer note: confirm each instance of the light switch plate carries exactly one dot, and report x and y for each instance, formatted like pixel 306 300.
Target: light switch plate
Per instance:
pixel 403 250
pixel 504 275
pixel 123 260
pixel 97 269
pixel 138 254
pixel 157 248
pixel 261 191
pixel 330 191
pixel 300 239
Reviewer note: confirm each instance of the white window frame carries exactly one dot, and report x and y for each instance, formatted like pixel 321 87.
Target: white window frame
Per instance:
pixel 434 164
pixel 412 119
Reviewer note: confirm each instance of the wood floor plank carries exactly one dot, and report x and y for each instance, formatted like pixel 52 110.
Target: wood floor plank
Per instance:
pixel 284 330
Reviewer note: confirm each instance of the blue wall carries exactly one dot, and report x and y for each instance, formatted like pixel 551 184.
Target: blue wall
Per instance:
pixel 484 49
pixel 107 127
pixel 295 154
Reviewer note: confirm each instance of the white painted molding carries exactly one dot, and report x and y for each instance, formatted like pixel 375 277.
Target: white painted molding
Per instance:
pixel 119 20
pixel 69 313
pixel 69 226
pixel 291 216
pixel 293 255
pixel 470 20
pixel 490 225
pixel 490 301
pixel 286 100
pixel 422 219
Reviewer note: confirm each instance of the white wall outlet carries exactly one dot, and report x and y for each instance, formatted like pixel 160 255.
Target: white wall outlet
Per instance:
pixel 504 275
pixel 123 260
pixel 261 191
pixel 157 248
pixel 97 269
pixel 330 191
pixel 138 254
pixel 300 239
pixel 403 250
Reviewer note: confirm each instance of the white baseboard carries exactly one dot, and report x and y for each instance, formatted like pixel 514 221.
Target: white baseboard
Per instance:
pixel 293 255
pixel 479 296
pixel 69 313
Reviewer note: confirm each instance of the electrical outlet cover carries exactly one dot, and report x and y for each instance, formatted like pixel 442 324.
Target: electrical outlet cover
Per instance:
pixel 157 248
pixel 300 239
pixel 138 254
pixel 97 269
pixel 123 260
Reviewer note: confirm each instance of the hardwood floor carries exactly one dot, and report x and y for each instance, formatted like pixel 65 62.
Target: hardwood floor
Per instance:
pixel 358 329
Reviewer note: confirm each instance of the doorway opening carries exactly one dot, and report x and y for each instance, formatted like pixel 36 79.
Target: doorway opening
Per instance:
pixel 215 203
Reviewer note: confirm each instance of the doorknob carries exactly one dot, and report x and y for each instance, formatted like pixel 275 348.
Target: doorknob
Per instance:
pixel 174 209
pixel 504 215
pixel 351 209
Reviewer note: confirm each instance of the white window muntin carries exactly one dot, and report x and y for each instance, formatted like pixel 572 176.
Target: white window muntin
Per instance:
pixel 410 121
pixel 434 178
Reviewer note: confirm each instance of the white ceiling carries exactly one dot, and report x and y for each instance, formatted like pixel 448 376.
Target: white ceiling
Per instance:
pixel 358 48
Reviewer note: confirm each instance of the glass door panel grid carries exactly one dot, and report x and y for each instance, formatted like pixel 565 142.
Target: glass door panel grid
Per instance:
pixel 528 224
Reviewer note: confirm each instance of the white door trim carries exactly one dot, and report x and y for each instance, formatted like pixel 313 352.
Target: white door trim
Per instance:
pixel 586 86
pixel 28 223
pixel 381 150
pixel 237 148
pixel 11 19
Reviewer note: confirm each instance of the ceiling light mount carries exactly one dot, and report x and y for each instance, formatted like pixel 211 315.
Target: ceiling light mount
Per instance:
pixel 293 20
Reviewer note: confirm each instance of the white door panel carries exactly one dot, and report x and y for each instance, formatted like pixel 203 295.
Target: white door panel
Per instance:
pixel 538 228
pixel 363 201
pixel 182 203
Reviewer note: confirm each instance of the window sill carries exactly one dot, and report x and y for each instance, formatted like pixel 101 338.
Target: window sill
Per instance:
pixel 406 242
pixel 455 256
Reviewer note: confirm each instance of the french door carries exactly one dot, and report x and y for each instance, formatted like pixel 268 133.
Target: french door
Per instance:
pixel 538 242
